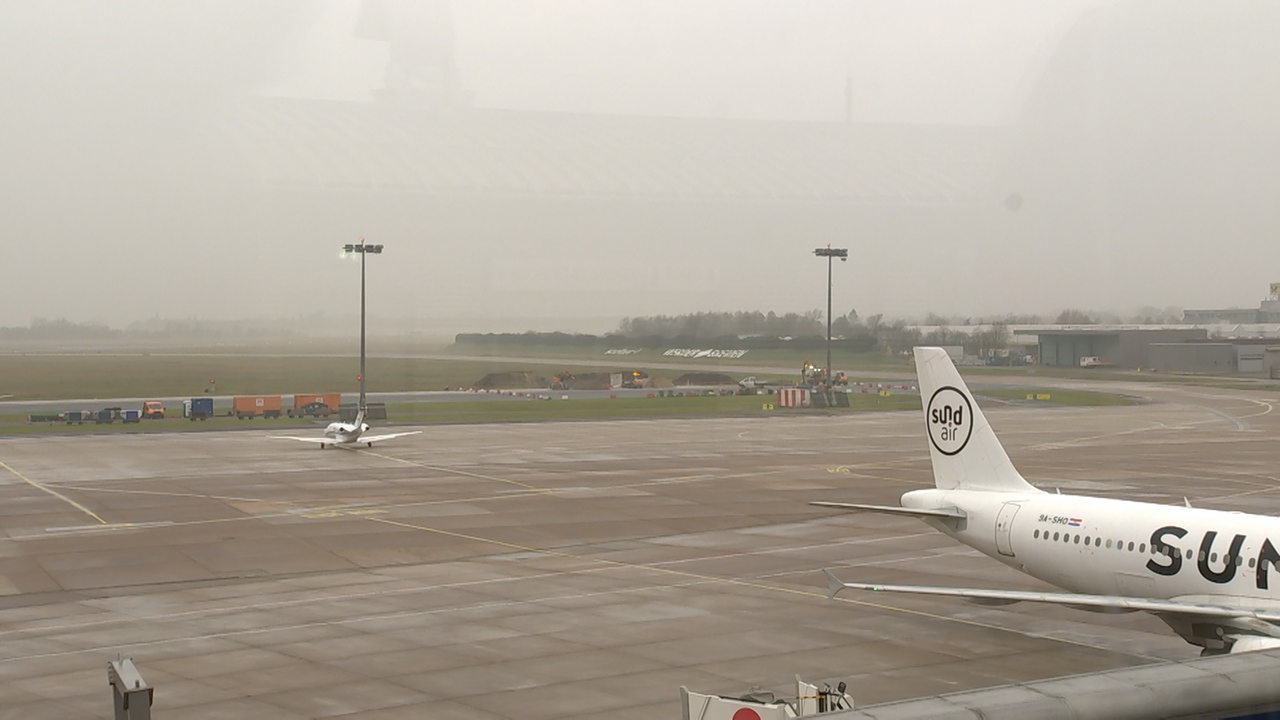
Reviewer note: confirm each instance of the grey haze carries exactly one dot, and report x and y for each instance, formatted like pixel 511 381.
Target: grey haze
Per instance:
pixel 556 164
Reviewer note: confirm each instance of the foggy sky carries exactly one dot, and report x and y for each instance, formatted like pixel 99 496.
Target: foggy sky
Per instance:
pixel 1134 161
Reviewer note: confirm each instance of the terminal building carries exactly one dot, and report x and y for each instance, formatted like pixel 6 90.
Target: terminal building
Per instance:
pixel 1267 312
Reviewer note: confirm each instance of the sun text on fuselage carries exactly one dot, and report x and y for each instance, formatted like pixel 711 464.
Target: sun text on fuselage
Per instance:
pixel 1168 559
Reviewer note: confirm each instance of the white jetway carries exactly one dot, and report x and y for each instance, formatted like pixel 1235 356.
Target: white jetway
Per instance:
pixel 810 700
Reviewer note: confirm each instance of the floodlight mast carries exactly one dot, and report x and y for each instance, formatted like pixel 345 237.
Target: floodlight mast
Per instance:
pixel 363 249
pixel 829 252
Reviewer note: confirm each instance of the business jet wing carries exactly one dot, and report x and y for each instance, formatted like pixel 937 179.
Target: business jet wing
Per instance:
pixel 1093 603
pixel 384 436
pixel 313 439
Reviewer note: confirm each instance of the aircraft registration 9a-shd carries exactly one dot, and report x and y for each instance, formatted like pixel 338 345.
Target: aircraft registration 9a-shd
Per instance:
pixel 1208 574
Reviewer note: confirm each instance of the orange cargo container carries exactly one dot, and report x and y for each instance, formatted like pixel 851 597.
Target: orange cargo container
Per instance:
pixel 251 406
pixel 317 405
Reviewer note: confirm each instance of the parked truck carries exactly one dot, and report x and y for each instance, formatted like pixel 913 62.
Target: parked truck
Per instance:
pixel 753 385
pixel 315 405
pixel 635 379
pixel 152 410
pixel 251 406
pixel 1095 361
pixel 198 408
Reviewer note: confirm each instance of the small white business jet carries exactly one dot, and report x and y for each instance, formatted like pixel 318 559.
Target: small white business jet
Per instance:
pixel 1206 573
pixel 341 434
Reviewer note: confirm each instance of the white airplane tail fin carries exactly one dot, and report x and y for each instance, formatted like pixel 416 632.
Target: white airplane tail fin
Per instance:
pixel 965 451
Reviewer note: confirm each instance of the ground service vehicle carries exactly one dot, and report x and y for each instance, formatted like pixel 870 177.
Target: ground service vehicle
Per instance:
pixel 311 409
pixel 200 408
pixel 153 410
pixel 811 374
pixel 315 405
pixel 635 379
pixel 251 406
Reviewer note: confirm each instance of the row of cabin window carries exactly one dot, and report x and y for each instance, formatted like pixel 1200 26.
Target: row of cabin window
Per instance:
pixel 1120 545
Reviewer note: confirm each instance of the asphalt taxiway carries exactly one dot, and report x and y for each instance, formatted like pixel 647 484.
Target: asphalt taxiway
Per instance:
pixel 560 570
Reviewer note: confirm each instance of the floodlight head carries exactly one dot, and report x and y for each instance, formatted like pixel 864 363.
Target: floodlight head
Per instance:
pixel 830 252
pixel 362 248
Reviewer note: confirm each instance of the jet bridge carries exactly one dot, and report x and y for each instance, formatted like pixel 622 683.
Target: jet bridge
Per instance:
pixel 811 700
pixel 1237 686
pixel 130 694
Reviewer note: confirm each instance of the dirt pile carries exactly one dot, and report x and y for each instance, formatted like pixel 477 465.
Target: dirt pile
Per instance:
pixel 705 378
pixel 581 381
pixel 509 380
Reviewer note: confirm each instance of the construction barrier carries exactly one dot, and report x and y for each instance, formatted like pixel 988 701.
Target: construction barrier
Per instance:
pixel 793 397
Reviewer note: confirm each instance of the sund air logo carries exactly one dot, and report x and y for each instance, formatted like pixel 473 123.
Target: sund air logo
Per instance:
pixel 950 418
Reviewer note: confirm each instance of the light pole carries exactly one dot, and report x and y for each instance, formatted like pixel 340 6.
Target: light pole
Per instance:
pixel 363 249
pixel 829 252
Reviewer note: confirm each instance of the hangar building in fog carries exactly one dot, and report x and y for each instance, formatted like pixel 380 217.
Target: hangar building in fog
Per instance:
pixel 1183 349
pixel 1122 347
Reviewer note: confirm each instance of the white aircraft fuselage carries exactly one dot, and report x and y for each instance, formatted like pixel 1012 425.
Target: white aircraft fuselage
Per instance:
pixel 1118 547
pixel 340 432
pixel 1211 575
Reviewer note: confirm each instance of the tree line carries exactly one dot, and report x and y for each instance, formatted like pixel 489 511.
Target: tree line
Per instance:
pixel 757 330
pixel 155 328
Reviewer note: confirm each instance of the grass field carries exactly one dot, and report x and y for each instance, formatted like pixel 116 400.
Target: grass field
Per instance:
pixel 631 407
pixel 404 365
pixel 40 377
pixel 1061 396
pixel 43 375
pixel 548 408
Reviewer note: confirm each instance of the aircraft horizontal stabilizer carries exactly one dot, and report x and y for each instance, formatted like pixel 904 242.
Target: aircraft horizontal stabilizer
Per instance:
pixel 893 510
pixel 386 436
pixel 834 584
pixel 1094 603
